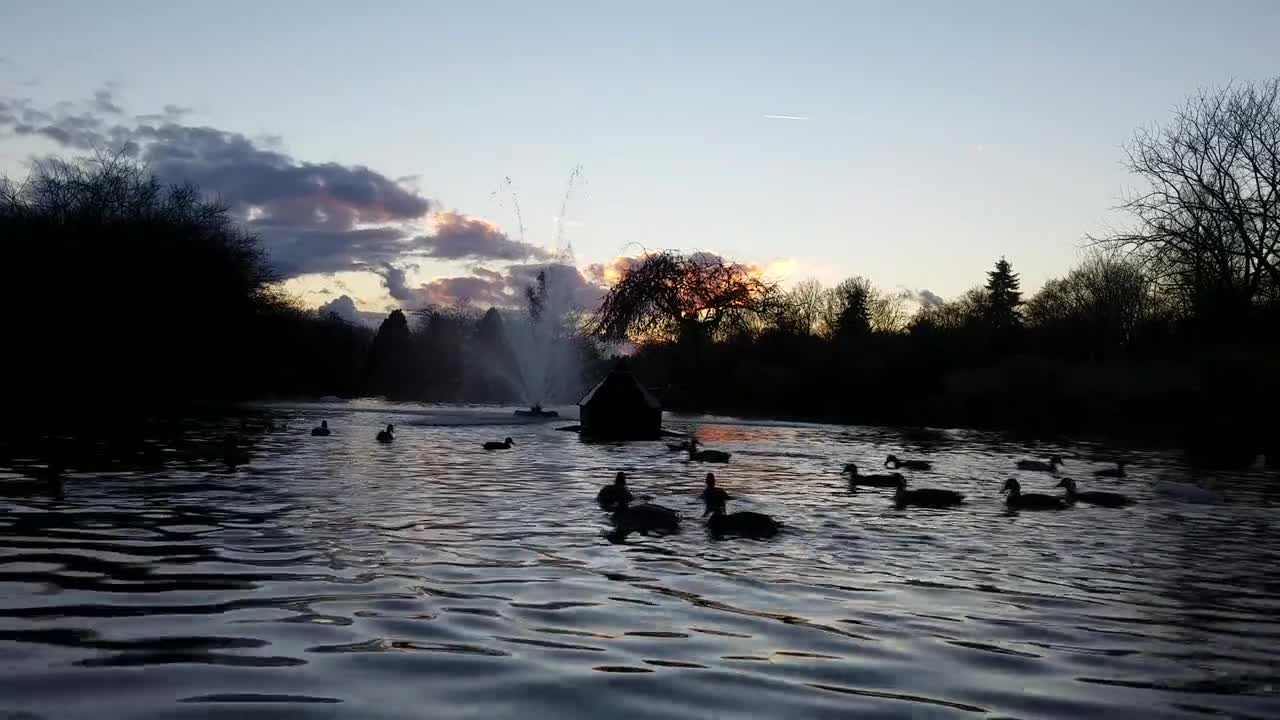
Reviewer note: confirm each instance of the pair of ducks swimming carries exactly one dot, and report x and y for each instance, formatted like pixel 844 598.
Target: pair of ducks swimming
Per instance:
pixel 1016 499
pixel 388 435
pixel 1030 465
pixel 648 517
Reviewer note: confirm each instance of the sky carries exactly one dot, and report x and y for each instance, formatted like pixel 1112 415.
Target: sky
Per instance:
pixel 370 144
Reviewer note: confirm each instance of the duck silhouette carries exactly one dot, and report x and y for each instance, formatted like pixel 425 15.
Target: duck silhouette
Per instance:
pixel 925 497
pixel 1103 499
pixel 386 436
pixel 616 494
pixel 322 431
pixel 1016 500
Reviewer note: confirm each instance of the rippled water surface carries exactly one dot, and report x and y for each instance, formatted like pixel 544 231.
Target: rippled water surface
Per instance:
pixel 335 577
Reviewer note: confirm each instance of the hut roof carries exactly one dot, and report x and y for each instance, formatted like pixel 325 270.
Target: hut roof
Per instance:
pixel 620 386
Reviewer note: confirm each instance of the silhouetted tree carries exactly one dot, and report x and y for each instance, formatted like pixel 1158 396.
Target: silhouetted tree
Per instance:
pixel 391 359
pixel 1207 221
pixel 668 295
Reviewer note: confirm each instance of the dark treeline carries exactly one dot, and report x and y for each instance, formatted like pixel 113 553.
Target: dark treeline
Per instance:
pixel 128 298
pixel 1169 329
pixel 127 295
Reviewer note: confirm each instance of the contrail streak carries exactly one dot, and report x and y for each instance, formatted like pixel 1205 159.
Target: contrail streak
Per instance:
pixel 786 117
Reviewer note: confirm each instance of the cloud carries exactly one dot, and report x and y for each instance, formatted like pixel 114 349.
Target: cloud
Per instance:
pixel 393 278
pixel 927 298
pixel 488 288
pixel 344 307
pixel 103 103
pixel 312 217
pixel 459 237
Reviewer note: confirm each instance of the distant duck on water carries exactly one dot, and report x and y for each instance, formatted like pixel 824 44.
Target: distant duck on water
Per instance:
pixel 1016 500
pixel 1039 466
pixel 1103 499
pixel 616 494
pixel 925 497
pixel 893 462
pixel 386 436
pixel 322 431
pixel 1115 472
pixel 709 456
pixel 886 480
pixel 504 445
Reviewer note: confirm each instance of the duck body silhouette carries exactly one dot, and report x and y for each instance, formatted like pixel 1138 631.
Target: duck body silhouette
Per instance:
pixel 925 497
pixel 504 445
pixel 1102 499
pixel 614 495
pixel 646 518
pixel 1017 500
pixel 386 436
pixel 885 480
pixel 322 431
pixel 743 524
pixel 707 456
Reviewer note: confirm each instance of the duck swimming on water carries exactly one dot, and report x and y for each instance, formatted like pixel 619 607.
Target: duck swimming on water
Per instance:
pixel 893 462
pixel 1031 501
pixel 925 497
pixel 615 495
pixel 710 456
pixel 645 518
pixel 322 431
pixel 744 524
pixel 386 436
pixel 504 445
pixel 680 446
pixel 712 495
pixel 1038 466
pixel 883 480
pixel 1115 472
pixel 1103 499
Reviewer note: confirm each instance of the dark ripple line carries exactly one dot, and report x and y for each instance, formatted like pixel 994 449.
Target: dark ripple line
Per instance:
pixel 897 696
pixel 257 698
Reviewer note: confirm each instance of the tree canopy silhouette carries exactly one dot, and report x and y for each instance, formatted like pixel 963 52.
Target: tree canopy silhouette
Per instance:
pixel 667 294
pixel 1207 214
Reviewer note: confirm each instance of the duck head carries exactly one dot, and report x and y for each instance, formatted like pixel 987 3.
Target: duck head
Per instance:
pixel 1055 459
pixel 1067 483
pixel 620 480
pixel 324 424
pixel 391 428
pixel 891 460
pixel 508 442
pixel 851 469
pixel 1011 486
pixel 711 480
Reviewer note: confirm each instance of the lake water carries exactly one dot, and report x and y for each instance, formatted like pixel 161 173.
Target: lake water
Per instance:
pixel 336 577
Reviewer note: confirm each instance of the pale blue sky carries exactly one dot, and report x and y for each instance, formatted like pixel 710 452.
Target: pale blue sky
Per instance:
pixel 940 135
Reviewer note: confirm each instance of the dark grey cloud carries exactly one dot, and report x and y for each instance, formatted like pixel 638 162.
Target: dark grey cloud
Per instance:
pixel 927 298
pixel 312 217
pixel 393 279
pixel 486 288
pixel 459 237
pixel 104 103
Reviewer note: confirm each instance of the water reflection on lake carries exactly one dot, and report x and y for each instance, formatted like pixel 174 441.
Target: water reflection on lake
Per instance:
pixel 337 577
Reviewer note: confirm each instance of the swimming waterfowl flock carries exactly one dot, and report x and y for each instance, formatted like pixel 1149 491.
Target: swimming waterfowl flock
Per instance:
pixel 650 518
